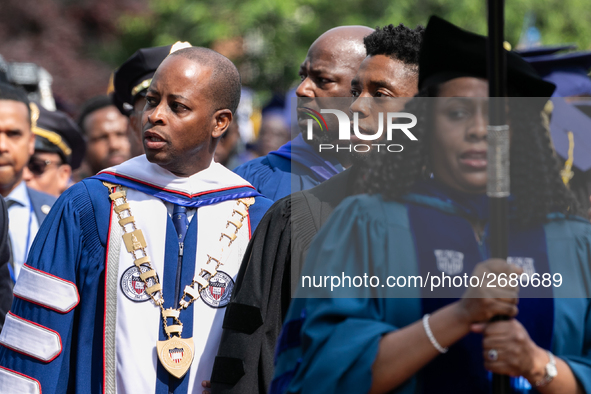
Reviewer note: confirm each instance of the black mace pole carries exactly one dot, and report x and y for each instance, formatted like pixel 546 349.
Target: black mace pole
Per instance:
pixel 498 187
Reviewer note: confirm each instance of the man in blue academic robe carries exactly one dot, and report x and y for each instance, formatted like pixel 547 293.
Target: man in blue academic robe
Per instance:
pixel 327 71
pixel 128 279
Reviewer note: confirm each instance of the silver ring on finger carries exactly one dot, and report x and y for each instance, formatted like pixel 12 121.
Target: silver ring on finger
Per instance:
pixel 493 355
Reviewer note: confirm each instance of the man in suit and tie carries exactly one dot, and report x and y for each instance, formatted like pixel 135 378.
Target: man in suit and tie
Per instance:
pixel 26 207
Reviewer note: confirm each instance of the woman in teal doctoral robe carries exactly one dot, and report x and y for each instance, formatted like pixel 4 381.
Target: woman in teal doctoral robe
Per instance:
pixel 426 216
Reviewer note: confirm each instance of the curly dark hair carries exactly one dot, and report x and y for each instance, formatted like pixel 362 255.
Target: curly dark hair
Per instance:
pixel 535 175
pixel 398 42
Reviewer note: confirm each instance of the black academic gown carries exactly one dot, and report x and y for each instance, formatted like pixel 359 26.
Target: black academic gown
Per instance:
pixel 262 293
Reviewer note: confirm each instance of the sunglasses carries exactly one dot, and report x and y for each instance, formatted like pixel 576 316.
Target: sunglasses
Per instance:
pixel 38 166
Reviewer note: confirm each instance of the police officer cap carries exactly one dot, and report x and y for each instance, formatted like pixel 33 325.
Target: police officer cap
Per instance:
pixel 133 78
pixel 448 52
pixel 56 132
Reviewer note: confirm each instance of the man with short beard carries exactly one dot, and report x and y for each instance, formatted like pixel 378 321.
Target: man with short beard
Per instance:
pixel 327 71
pixel 27 208
pixel 263 287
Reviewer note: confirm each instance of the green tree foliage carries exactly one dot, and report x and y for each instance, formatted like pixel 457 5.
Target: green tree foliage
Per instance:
pixel 81 41
pixel 272 36
pixel 64 37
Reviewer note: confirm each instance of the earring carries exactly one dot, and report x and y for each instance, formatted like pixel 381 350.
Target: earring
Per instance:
pixel 426 171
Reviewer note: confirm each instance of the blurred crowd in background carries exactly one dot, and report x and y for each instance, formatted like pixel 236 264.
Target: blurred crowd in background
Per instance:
pixel 65 52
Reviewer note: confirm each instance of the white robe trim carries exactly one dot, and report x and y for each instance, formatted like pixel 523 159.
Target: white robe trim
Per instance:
pixel 30 338
pixel 46 290
pixel 14 382
pixel 215 177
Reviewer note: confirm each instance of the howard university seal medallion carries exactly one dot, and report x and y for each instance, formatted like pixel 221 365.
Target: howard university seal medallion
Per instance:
pixel 132 285
pixel 217 294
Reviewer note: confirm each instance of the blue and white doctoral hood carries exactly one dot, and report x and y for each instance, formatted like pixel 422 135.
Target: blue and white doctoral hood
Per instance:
pixel 209 186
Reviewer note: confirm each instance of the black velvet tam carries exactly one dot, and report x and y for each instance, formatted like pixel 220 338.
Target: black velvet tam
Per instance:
pixel 448 52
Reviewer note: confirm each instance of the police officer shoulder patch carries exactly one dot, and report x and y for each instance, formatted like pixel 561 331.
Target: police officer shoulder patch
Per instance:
pixel 219 291
pixel 132 286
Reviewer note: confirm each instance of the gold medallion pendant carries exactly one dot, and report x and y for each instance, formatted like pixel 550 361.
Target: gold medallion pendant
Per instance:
pixel 176 355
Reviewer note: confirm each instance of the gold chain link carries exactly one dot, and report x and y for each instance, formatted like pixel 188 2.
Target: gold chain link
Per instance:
pixel 190 291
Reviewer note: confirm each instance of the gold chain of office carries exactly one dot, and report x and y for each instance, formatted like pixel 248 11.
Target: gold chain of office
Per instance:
pixel 175 353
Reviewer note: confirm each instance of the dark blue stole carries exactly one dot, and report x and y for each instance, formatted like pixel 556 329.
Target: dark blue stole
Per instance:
pixel 166 383
pixel 445 241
